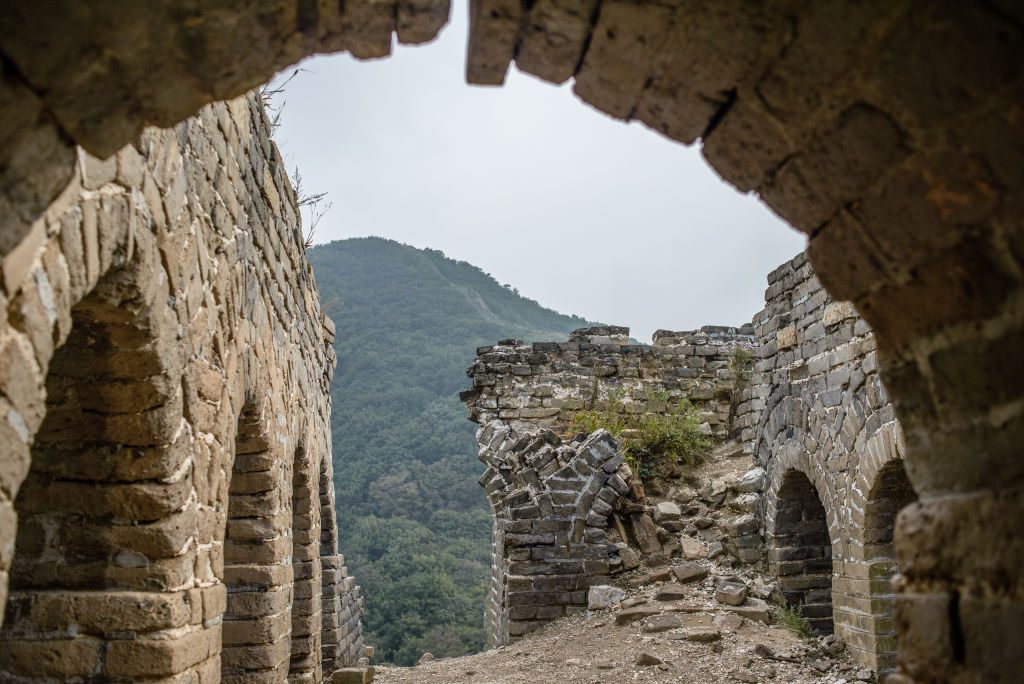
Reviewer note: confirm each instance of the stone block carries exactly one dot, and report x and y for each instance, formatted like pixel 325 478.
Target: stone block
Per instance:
pixel 731 593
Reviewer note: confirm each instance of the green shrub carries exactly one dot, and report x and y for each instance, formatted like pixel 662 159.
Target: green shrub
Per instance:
pixel 791 618
pixel 671 434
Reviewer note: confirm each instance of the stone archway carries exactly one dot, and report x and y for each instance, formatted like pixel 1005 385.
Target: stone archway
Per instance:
pixel 307 608
pixel 257 550
pixel 105 517
pixel 890 133
pixel 891 493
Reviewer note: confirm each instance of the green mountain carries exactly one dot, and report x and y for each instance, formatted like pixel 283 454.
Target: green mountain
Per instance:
pixel 415 527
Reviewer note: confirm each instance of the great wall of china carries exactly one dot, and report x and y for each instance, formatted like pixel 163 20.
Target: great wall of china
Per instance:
pixel 160 323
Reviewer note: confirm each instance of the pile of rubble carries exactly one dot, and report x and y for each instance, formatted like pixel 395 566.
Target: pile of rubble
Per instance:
pixel 711 510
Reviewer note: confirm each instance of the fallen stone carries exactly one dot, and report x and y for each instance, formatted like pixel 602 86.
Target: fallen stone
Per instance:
pixel 822 665
pixel 702 635
pixel 604 596
pixel 751 481
pixel 728 621
pixel 682 495
pixel 635 601
pixel 754 609
pixel 352 675
pixel 689 572
pixel 662 623
pixel 647 659
pixel 642 529
pixel 672 592
pixel 731 593
pixel 630 558
pixel 742 525
pixel 744 676
pixel 660 575
pixel 703 523
pixel 425 658
pixel 832 644
pixel 630 615
pixel 748 503
pixel 666 511
pixel 693 548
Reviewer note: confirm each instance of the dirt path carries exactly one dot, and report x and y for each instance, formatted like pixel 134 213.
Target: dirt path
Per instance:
pixel 593 649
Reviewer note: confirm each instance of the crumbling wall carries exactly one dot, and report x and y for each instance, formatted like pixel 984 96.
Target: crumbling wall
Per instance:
pixel 553 492
pixel 165 501
pixel 812 413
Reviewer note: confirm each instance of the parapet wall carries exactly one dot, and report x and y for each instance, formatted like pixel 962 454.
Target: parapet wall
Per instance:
pixel 798 390
pixel 165 437
pixel 547 383
pixel 553 492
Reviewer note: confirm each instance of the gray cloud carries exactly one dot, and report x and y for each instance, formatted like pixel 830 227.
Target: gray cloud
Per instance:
pixel 581 212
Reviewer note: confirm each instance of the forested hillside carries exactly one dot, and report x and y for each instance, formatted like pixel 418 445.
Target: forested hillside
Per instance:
pixel 415 528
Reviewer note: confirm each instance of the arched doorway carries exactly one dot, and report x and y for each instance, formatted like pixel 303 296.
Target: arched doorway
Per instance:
pixel 800 551
pixel 257 552
pixel 307 609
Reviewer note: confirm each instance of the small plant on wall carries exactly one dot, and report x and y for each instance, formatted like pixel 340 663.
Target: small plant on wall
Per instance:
pixel 668 430
pixel 740 364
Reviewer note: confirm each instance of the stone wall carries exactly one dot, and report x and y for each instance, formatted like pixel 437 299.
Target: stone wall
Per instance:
pixel 821 423
pixel 811 409
pixel 546 383
pixel 165 493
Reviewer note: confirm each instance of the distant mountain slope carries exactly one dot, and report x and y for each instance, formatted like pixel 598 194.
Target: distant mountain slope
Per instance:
pixel 415 525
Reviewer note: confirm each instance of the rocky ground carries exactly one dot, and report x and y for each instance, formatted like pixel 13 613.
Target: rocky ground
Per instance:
pixel 673 624
pixel 689 602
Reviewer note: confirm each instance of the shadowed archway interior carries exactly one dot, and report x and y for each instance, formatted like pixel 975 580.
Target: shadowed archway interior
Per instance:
pixel 802 551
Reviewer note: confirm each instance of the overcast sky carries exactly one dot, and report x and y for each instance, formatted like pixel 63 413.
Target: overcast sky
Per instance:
pixel 581 212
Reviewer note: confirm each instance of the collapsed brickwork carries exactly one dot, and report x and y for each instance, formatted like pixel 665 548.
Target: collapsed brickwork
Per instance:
pixel 524 397
pixel 166 502
pixel 811 411
pixel 551 503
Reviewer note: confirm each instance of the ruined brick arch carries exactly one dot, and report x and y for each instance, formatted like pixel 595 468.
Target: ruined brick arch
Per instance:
pixel 551 501
pixel 174 297
pixel 801 518
pixel 800 548
pixel 843 437
pixel 306 531
pixel 257 550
